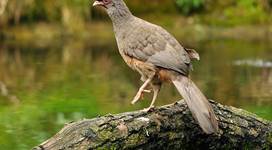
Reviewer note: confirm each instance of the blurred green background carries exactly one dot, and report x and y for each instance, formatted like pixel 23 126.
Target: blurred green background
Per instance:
pixel 59 61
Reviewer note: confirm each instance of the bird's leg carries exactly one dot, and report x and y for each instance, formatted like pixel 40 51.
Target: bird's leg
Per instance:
pixel 145 91
pixel 156 90
pixel 141 90
pixel 143 78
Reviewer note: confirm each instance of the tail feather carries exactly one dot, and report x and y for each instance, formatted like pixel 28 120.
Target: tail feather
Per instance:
pixel 197 103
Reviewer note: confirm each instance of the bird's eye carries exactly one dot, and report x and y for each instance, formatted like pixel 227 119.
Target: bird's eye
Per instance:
pixel 106 1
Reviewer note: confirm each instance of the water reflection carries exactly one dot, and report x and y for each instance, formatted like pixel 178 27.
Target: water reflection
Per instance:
pixel 261 86
pixel 44 87
pixel 254 63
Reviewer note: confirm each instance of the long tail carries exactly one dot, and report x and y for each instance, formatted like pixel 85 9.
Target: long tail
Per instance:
pixel 197 103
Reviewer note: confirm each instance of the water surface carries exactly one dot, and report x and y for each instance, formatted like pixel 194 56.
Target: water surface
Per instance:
pixel 44 87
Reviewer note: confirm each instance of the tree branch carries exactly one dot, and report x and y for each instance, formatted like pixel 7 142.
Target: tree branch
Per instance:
pixel 168 127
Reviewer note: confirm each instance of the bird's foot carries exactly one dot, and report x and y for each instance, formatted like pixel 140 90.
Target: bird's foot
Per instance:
pixel 149 109
pixel 139 95
pixel 147 91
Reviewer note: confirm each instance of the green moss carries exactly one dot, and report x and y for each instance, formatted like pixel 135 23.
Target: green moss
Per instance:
pixel 135 138
pixel 105 134
pixel 173 135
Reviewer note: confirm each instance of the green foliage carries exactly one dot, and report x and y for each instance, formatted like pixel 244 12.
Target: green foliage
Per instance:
pixel 246 11
pixel 46 10
pixel 189 6
pixel 74 14
pixel 151 6
pixel 237 12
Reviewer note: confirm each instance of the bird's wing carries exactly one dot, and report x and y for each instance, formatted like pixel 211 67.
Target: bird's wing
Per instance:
pixel 174 43
pixel 153 44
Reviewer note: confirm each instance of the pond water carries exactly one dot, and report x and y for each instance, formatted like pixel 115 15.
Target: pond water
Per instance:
pixel 44 87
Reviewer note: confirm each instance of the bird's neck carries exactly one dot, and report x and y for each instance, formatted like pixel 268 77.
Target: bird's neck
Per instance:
pixel 121 15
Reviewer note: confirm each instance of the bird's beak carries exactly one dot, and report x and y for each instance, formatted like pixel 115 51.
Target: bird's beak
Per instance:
pixel 98 3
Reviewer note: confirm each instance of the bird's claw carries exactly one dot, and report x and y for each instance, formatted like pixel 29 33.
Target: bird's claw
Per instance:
pixel 139 95
pixel 147 91
pixel 136 98
pixel 149 109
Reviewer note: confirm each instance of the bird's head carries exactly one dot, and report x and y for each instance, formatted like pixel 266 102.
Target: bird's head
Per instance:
pixel 104 3
pixel 116 9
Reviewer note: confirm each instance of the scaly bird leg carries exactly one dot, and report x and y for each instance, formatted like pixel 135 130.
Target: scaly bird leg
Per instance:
pixel 156 91
pixel 141 90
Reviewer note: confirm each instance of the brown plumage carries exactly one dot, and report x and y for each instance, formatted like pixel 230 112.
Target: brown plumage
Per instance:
pixel 158 57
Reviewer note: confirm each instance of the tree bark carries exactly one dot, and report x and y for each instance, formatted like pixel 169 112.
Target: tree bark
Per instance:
pixel 167 127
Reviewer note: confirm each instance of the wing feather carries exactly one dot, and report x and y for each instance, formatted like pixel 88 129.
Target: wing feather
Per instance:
pixel 153 44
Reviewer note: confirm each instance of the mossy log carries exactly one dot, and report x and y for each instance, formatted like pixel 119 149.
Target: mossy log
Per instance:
pixel 167 127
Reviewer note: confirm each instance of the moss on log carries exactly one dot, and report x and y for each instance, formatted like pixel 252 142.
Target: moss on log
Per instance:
pixel 167 127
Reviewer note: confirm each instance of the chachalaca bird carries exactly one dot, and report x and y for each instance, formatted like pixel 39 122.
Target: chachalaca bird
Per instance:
pixel 157 56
